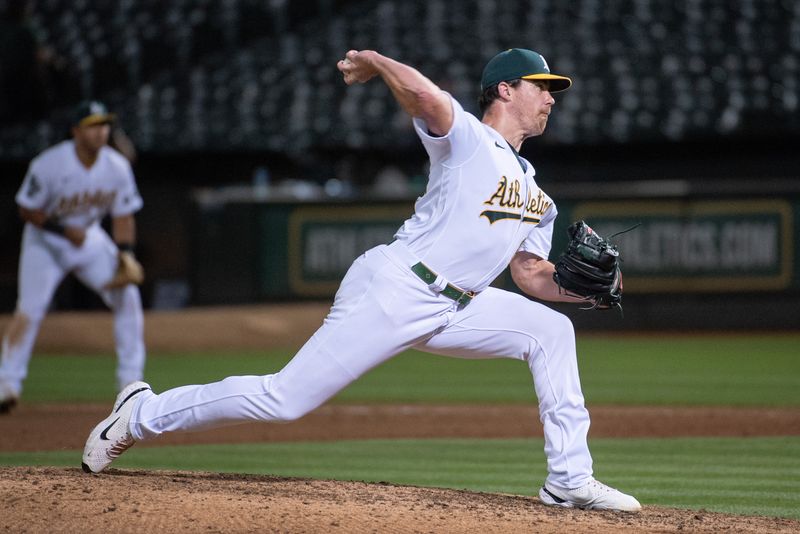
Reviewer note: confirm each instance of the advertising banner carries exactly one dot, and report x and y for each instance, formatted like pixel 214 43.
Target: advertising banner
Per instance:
pixel 324 241
pixel 692 245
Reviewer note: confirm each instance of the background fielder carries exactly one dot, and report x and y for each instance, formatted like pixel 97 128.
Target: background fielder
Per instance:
pixel 68 190
pixel 429 289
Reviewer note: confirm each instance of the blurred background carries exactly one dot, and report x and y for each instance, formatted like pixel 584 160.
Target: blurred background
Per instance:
pixel 264 176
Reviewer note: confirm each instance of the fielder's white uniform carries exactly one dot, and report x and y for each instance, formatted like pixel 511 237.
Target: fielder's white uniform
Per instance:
pixel 61 186
pixel 482 205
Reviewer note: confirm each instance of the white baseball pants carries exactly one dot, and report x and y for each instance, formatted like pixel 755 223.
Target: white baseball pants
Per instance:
pixel 44 261
pixel 381 309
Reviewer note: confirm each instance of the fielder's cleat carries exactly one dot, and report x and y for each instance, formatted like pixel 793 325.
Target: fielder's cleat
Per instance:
pixel 111 437
pixel 6 405
pixel 593 496
pixel 8 399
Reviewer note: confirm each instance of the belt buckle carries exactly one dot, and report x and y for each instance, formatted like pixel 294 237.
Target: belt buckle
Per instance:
pixel 469 294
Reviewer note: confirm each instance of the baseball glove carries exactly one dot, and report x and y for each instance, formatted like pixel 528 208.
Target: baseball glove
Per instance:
pixel 129 271
pixel 589 269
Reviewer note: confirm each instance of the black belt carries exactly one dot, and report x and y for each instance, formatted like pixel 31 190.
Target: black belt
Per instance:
pixel 451 291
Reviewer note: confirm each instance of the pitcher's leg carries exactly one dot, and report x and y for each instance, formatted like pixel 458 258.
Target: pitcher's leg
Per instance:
pixel 305 383
pixel 359 333
pixel 561 404
pixel 502 324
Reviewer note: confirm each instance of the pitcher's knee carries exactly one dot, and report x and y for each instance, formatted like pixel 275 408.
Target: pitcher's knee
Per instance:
pixel 286 413
pixel 562 326
pixel 286 410
pixel 281 404
pixel 552 325
pixel 557 334
pixel 560 329
pixel 561 340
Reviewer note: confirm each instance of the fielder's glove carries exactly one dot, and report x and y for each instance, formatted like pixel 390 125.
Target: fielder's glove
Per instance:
pixel 129 271
pixel 589 269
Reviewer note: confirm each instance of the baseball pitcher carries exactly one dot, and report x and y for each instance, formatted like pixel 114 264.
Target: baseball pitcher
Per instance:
pixel 429 289
pixel 68 190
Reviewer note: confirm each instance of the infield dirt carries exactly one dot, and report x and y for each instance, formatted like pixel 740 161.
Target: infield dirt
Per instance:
pixel 67 500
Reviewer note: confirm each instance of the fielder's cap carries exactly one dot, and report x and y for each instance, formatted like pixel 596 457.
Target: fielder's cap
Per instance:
pixel 91 112
pixel 517 63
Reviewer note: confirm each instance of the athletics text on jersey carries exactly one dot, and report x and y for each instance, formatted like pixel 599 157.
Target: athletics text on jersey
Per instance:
pixel 487 214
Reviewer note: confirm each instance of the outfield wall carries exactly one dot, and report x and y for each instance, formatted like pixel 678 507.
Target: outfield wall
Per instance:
pixel 695 260
pixel 708 254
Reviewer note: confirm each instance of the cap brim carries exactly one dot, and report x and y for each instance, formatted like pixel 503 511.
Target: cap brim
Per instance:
pixel 99 118
pixel 557 83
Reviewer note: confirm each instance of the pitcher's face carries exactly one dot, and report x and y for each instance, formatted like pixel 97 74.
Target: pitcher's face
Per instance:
pixel 534 105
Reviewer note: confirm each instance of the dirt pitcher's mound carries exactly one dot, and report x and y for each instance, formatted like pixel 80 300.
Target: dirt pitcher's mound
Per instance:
pixel 55 500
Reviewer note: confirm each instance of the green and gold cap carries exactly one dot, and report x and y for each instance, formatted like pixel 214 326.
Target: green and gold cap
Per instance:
pixel 517 63
pixel 91 112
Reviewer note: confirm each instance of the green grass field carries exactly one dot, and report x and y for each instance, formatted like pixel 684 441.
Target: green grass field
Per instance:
pixel 738 370
pixel 743 476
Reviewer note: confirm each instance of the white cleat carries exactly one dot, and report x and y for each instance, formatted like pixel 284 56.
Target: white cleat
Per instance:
pixel 111 437
pixel 593 496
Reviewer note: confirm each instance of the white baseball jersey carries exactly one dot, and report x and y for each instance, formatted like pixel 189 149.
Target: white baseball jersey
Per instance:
pixel 59 184
pixel 482 203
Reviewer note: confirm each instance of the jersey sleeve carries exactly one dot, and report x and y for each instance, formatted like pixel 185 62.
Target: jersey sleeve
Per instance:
pixel 128 200
pixel 34 191
pixel 457 145
pixel 540 239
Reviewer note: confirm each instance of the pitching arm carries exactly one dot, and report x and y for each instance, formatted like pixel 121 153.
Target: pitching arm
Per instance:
pixel 415 93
